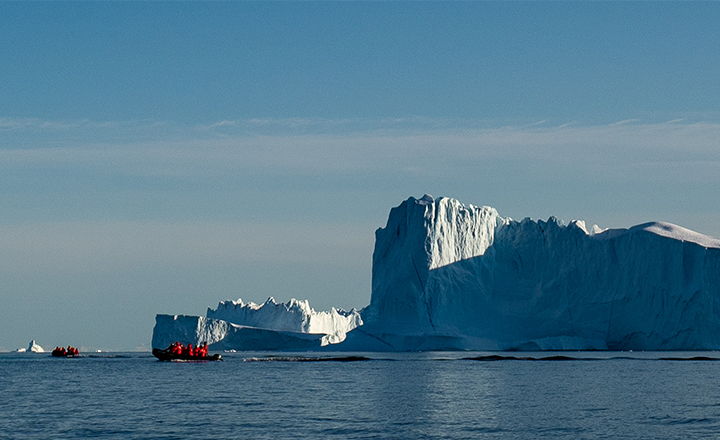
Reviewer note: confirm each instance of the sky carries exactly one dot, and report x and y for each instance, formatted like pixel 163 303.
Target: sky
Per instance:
pixel 160 157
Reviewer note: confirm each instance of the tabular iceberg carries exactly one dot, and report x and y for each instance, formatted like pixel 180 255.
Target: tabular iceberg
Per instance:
pixel 450 277
pixel 446 276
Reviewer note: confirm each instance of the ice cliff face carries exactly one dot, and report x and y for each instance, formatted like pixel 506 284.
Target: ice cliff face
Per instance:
pixel 447 276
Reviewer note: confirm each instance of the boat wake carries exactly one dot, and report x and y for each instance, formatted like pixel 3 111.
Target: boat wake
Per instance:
pixel 307 359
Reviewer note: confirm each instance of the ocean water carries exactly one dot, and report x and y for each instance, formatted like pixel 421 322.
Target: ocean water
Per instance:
pixel 437 395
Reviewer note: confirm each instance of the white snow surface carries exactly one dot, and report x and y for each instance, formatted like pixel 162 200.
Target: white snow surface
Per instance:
pixel 450 276
pixel 679 233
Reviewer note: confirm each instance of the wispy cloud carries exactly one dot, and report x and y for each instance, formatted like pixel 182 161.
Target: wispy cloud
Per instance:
pixel 534 124
pixel 191 152
pixel 626 121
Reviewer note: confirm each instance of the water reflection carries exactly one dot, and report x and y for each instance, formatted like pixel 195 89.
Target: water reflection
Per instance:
pixel 418 395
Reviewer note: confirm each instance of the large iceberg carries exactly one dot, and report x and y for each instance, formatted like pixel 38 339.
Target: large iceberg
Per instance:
pixel 447 276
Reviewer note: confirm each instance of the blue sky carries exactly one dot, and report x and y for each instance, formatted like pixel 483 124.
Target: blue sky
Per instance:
pixel 203 62
pixel 158 157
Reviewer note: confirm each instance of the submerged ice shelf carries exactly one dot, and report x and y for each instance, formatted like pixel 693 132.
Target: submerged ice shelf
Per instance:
pixel 293 316
pixel 450 276
pixel 269 326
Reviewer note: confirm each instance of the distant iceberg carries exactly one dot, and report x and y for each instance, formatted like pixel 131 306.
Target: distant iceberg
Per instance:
pixel 447 276
pixel 33 347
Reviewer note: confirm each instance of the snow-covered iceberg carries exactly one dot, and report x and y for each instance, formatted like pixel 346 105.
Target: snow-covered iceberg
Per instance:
pixel 234 325
pixel 447 276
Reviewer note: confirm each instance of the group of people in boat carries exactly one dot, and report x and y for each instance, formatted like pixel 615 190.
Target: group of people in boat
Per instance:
pixel 188 350
pixel 69 351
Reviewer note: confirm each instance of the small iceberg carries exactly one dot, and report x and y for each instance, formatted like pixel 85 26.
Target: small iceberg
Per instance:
pixel 33 347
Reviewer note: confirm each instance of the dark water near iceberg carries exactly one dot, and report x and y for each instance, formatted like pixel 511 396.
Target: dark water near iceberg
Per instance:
pixel 371 396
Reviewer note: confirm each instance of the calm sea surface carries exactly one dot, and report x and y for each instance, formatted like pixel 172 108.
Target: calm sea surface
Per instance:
pixel 385 396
